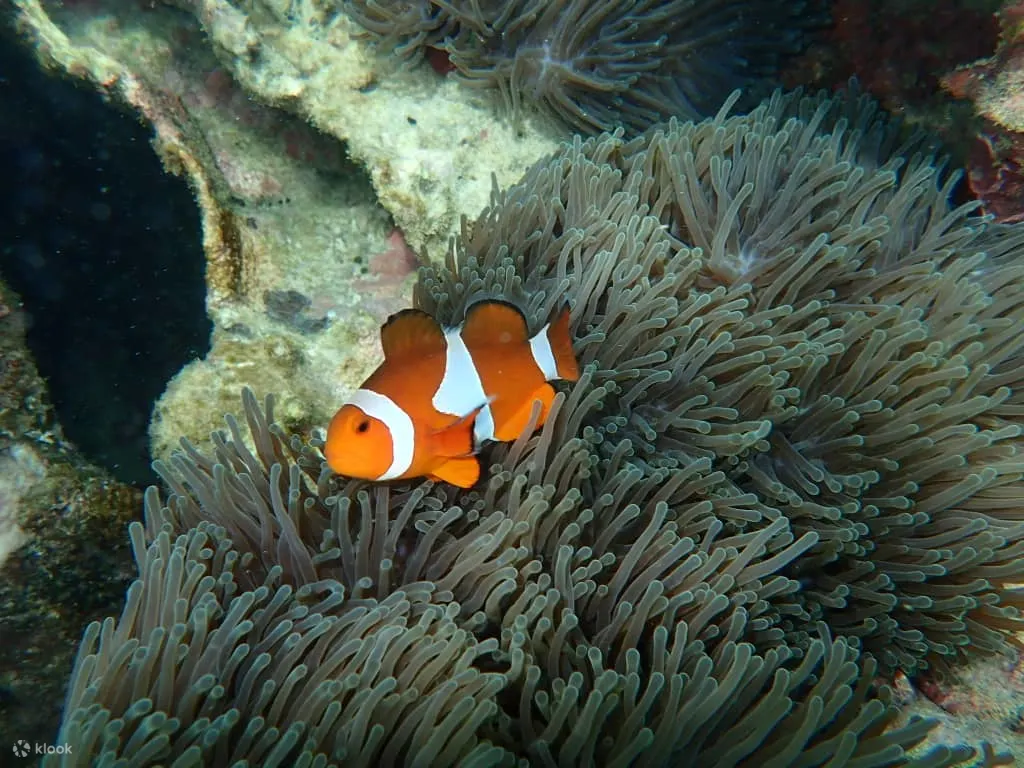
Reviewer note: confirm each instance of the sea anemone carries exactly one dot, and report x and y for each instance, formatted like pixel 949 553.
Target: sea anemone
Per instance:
pixel 790 465
pixel 596 66
pixel 482 632
pixel 817 321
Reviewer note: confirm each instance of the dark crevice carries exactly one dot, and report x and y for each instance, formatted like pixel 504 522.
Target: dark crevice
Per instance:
pixel 105 249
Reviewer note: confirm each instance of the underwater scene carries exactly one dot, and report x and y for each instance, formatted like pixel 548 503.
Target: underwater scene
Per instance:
pixel 535 383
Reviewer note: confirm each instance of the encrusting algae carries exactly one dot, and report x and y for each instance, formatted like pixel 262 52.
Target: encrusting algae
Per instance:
pixel 791 463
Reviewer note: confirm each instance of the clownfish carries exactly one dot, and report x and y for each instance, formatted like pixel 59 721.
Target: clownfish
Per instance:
pixel 442 393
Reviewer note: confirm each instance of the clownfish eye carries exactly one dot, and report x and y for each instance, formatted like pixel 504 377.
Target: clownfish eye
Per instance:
pixel 363 426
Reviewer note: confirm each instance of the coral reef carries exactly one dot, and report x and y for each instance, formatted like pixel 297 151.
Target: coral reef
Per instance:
pixel 993 85
pixel 63 558
pixel 985 699
pixel 792 463
pixel 596 66
pixel 899 50
pixel 207 67
pixel 307 157
pixel 282 210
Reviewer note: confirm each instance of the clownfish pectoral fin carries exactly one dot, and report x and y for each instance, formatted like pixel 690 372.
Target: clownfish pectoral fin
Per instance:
pixel 494 322
pixel 560 340
pixel 462 472
pixel 456 439
pixel 411 333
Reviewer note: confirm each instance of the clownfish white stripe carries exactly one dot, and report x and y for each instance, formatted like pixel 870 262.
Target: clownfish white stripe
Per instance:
pixel 540 347
pixel 398 423
pixel 461 391
pixel 483 427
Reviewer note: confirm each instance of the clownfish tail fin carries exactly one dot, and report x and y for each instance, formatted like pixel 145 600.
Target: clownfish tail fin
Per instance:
pixel 560 340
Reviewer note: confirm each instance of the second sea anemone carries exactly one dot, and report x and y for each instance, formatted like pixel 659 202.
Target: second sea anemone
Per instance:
pixel 600 65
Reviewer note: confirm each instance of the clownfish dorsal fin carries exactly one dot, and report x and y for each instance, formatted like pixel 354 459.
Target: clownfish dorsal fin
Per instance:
pixel 411 333
pixel 494 322
pixel 462 472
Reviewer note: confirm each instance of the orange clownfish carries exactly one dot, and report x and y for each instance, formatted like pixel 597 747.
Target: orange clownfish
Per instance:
pixel 441 393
